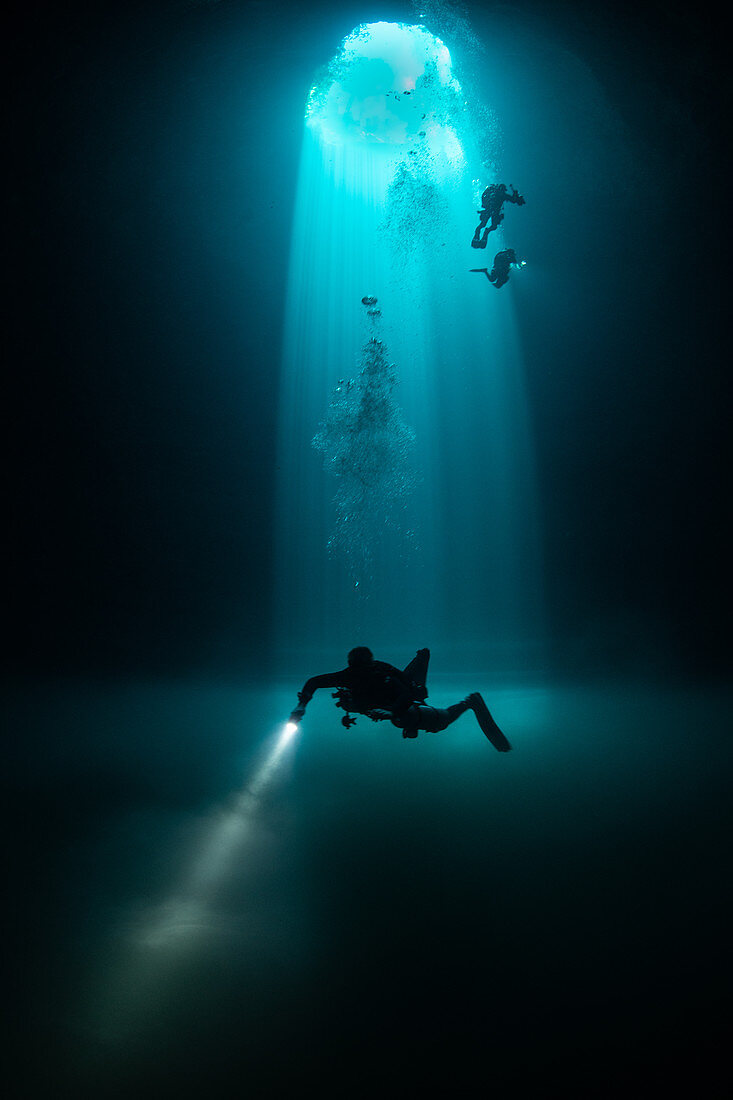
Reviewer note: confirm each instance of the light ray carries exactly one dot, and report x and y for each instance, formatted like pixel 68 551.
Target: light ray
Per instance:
pixel 156 946
pixel 384 209
pixel 185 912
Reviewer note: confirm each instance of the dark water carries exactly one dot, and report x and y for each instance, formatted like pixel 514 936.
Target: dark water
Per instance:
pixel 371 910
pixel 552 917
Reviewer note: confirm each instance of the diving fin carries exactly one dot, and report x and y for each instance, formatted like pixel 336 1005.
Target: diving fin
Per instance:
pixel 487 723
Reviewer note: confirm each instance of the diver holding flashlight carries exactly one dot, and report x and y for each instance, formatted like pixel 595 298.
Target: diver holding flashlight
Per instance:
pixel 504 261
pixel 383 692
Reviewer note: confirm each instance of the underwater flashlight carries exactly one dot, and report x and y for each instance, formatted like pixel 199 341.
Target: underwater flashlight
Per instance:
pixel 290 728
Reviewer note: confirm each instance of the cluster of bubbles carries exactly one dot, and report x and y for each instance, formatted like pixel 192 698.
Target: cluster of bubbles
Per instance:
pixel 416 211
pixel 449 20
pixel 367 447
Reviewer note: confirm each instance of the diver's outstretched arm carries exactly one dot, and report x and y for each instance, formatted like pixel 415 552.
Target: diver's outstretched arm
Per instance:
pixel 329 679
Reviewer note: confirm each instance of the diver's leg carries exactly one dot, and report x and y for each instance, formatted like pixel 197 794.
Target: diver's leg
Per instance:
pixel 449 714
pixel 483 218
pixel 432 719
pixel 496 220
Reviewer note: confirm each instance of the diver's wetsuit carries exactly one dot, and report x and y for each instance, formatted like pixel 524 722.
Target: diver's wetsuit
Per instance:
pixel 503 261
pixel 375 687
pixel 383 692
pixel 492 201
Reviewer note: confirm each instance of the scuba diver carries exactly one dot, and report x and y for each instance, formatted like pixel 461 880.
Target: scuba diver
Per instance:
pixel 503 262
pixel 492 201
pixel 385 693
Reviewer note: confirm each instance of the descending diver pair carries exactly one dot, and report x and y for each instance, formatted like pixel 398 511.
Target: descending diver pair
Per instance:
pixel 385 693
pixel 492 202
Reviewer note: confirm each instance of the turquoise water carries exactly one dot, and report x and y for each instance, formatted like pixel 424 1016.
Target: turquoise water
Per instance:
pixel 421 518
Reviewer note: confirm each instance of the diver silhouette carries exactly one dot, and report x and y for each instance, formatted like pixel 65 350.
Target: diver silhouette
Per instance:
pixel 503 262
pixel 383 692
pixel 492 201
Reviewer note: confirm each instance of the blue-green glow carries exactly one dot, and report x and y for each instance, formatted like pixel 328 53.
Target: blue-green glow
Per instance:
pixel 390 85
pixel 393 164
